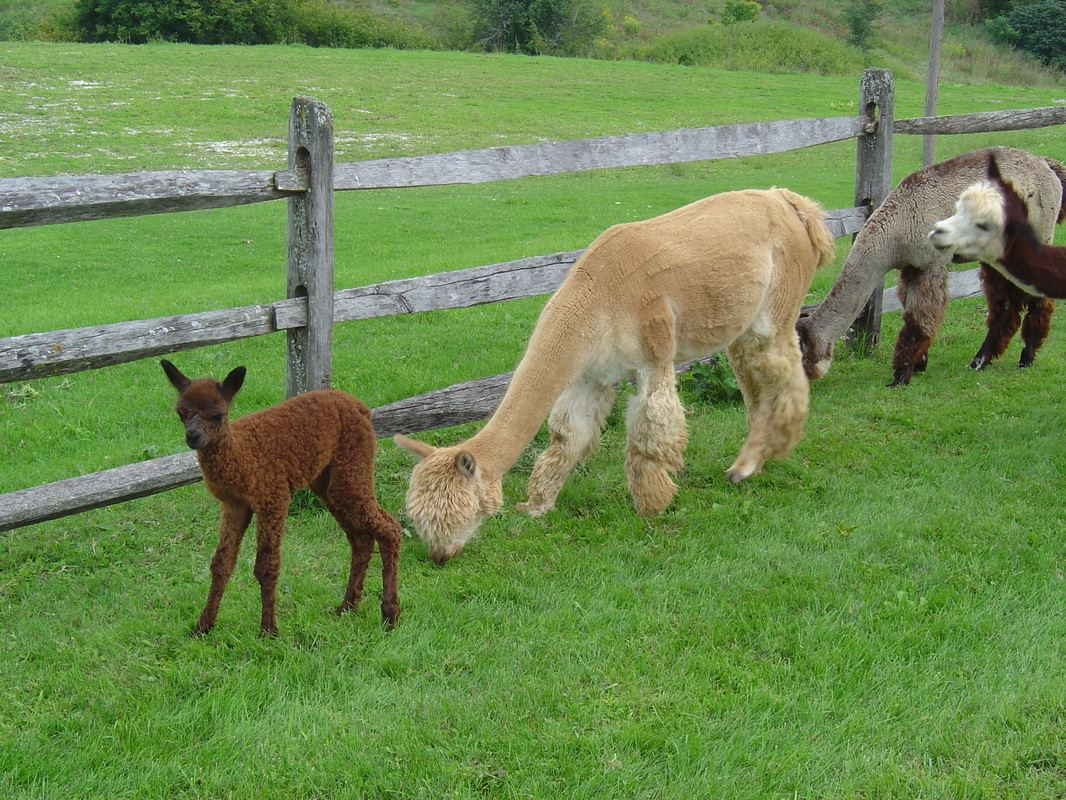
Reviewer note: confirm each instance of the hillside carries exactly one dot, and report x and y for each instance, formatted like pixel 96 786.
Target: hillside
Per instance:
pixel 788 36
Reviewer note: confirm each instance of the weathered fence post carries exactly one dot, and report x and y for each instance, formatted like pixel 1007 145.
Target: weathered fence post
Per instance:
pixel 310 235
pixel 873 177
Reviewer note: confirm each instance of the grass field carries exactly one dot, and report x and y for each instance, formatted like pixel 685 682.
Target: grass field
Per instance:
pixel 879 616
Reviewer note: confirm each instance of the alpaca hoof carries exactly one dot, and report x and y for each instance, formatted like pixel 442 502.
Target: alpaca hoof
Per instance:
pixel 390 616
pixel 979 362
pixel 901 378
pixel 1026 361
pixel 268 633
pixel 736 474
pixel 534 509
pixel 344 608
pixel 199 631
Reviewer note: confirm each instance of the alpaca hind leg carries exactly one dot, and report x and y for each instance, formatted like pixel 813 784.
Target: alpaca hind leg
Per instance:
pixel 770 373
pixel 1004 301
pixel 656 439
pixel 269 530
pixel 351 499
pixel 235 520
pixel 1035 328
pixel 924 296
pixel 574 426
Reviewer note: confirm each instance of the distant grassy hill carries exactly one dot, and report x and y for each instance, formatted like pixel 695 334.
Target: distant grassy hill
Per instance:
pixel 789 36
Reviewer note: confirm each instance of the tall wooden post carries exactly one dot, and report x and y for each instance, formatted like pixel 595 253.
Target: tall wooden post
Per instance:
pixel 932 78
pixel 310 234
pixel 873 177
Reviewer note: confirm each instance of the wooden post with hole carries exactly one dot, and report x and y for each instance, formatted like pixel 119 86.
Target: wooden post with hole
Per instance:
pixel 310 246
pixel 873 178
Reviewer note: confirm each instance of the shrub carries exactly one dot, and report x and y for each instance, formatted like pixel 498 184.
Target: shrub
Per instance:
pixel 711 383
pixel 860 16
pixel 761 45
pixel 554 27
pixel 1038 28
pixel 735 11
pixel 313 22
pixel 630 25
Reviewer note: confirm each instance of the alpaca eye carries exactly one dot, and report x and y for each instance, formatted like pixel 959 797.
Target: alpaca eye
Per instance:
pixel 984 226
pixel 217 417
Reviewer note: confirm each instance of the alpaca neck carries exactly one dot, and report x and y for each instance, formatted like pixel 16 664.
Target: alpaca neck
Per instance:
pixel 861 275
pixel 1035 267
pixel 557 353
pixel 219 461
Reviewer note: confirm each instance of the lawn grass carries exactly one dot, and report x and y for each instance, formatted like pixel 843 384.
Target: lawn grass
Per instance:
pixel 880 615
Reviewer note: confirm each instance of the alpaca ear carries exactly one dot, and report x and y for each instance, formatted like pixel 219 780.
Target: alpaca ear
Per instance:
pixel 993 169
pixel 233 382
pixel 464 462
pixel 420 449
pixel 180 382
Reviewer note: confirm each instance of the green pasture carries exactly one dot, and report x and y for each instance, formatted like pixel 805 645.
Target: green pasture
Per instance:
pixel 878 616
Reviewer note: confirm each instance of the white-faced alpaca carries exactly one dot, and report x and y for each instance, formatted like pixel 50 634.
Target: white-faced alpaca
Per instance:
pixel 727 272
pixel 323 440
pixel 991 224
pixel 896 237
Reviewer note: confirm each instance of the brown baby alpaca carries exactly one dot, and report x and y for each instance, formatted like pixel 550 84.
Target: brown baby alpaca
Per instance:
pixel 323 440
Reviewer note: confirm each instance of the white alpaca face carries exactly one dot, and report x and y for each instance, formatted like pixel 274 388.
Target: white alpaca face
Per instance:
pixel 448 498
pixel 975 231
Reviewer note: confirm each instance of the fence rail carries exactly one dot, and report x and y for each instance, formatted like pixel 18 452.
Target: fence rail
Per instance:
pixel 312 307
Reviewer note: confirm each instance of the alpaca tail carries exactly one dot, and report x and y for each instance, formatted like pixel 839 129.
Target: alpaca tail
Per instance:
pixel 1060 171
pixel 813 218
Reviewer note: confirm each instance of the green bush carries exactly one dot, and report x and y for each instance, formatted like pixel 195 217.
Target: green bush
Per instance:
pixel 860 16
pixel 1038 28
pixel 314 22
pixel 711 383
pixel 761 45
pixel 553 27
pixel 734 11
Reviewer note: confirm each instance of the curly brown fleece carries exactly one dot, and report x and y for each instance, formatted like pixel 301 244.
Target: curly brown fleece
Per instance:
pixel 323 440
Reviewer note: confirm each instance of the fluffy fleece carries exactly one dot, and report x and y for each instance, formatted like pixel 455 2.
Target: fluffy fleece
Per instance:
pixel 726 272
pixel 323 440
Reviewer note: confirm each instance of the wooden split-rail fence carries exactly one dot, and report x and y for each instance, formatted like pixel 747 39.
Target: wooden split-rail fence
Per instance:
pixel 312 307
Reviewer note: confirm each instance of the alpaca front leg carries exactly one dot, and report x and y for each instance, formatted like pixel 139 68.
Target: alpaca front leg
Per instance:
pixel 1004 301
pixel 776 393
pixel 269 530
pixel 574 425
pixel 923 294
pixel 656 439
pixel 1035 328
pixel 234 522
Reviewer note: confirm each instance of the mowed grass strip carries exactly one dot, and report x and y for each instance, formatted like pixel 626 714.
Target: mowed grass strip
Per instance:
pixel 880 615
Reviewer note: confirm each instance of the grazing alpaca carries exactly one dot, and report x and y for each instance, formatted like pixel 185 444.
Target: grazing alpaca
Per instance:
pixel 896 237
pixel 729 271
pixel 991 223
pixel 323 440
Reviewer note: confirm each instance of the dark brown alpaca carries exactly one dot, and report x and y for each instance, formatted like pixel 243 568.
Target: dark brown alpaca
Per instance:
pixel 323 440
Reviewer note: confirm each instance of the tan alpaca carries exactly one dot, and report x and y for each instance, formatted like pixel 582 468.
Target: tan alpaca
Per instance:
pixel 727 272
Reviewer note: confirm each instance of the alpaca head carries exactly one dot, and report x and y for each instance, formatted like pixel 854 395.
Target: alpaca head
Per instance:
pixel 203 404
pixel 817 355
pixel 448 497
pixel 976 232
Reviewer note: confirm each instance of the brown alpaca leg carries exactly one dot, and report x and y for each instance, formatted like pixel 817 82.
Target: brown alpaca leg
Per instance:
pixel 1005 301
pixel 574 424
pixel 234 522
pixel 656 439
pixel 1035 328
pixel 269 530
pixel 351 499
pixel 924 296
